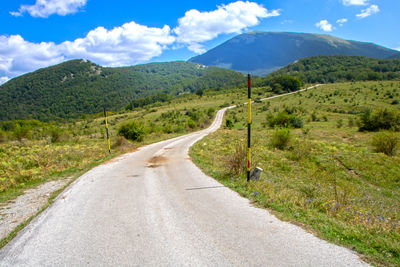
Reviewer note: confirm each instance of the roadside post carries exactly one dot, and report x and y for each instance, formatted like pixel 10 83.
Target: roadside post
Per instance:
pixel 248 126
pixel 108 136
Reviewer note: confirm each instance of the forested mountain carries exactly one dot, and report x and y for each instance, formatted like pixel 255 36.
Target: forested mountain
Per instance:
pixel 76 87
pixel 329 69
pixel 261 53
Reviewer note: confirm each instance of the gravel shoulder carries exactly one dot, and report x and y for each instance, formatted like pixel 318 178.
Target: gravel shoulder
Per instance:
pixel 18 210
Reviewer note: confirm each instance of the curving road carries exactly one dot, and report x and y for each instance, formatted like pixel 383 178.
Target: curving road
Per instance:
pixel 155 207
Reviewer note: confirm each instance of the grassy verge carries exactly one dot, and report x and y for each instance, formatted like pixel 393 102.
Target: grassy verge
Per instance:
pixel 328 178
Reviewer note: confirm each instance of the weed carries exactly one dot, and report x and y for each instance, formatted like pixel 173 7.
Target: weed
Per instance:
pixel 280 138
pixel 385 142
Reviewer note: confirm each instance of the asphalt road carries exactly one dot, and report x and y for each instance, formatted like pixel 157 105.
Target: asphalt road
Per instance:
pixel 154 207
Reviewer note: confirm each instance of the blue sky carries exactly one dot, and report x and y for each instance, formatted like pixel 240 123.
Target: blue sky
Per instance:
pixel 39 33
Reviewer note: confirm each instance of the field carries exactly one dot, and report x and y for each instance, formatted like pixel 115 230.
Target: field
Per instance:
pixel 328 177
pixel 33 152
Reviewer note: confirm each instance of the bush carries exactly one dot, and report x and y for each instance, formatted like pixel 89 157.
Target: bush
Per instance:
pixel 283 119
pixel 210 112
pixel 3 136
pixel 55 135
pixel 191 123
pixel 339 123
pixel 286 83
pixel 132 131
pixel 385 142
pixel 21 132
pixel 281 138
pixel 379 120
pixel 236 162
pixel 229 124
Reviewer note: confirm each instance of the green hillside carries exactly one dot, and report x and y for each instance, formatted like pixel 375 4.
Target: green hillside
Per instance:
pixel 78 87
pixel 329 69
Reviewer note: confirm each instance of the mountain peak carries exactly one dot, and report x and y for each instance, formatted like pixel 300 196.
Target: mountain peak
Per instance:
pixel 260 52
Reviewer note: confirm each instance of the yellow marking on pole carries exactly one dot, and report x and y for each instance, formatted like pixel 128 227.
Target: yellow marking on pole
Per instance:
pixel 249 110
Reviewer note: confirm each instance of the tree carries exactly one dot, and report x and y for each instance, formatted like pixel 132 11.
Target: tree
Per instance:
pixel 286 83
pixel 199 92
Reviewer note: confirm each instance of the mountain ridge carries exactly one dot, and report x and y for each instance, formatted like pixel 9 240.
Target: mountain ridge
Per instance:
pixel 76 87
pixel 261 53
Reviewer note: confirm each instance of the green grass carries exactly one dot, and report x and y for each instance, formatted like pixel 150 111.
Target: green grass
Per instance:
pixel 81 144
pixel 328 179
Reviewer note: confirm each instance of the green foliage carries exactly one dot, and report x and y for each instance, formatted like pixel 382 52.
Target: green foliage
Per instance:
pixel 235 162
pixel 280 138
pixel 144 101
pixel 385 142
pixel 3 136
pixel 283 119
pixel 285 83
pixel 229 124
pixel 55 135
pixel 22 132
pixel 339 123
pixel 382 119
pixel 340 68
pixel 199 92
pixel 132 131
pixel 77 87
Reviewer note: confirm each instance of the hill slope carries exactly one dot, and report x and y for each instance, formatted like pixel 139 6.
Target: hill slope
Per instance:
pixel 261 53
pixel 340 68
pixel 75 87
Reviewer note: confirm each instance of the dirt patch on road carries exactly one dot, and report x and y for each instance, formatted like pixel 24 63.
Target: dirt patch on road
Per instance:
pixel 156 161
pixel 17 211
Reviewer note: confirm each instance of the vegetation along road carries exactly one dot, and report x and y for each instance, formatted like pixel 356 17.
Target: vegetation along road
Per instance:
pixel 155 207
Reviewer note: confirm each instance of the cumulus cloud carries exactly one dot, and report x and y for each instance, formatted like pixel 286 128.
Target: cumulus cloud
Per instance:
pixel 324 25
pixel 126 45
pixel 341 21
pixel 45 8
pixel 197 27
pixel 355 2
pixel 4 79
pixel 373 9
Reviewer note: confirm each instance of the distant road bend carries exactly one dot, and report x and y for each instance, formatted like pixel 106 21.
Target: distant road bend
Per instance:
pixel 155 207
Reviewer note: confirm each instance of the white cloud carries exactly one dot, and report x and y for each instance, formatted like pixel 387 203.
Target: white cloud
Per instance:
pixel 398 48
pixel 324 25
pixel 355 2
pixel 373 9
pixel 126 45
pixel 197 27
pixel 45 8
pixel 341 21
pixel 4 79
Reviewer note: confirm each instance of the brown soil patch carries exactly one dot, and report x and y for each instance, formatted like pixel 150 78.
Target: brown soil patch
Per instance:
pixel 156 161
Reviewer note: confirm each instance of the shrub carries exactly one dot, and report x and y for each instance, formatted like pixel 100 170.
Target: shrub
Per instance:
pixel 283 119
pixel 339 123
pixel 132 131
pixel 281 138
pixel 235 163
pixel 3 136
pixel 55 135
pixel 191 123
pixel 395 102
pixel 229 124
pixel 380 119
pixel 385 142
pixel 21 132
pixel 314 116
pixel 210 112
